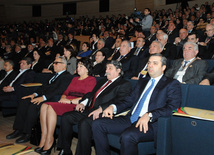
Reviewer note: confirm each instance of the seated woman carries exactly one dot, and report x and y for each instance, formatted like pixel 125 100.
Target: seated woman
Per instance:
pixel 48 115
pixel 85 51
pixel 69 55
pixel 38 63
pixel 99 64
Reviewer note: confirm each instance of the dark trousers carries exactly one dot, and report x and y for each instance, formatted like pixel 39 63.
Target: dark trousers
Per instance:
pixel 130 135
pixel 26 116
pixel 70 119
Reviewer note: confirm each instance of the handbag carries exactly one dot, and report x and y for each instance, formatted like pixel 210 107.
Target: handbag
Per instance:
pixel 36 134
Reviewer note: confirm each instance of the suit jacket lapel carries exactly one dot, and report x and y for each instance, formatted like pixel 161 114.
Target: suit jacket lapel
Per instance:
pixel 109 88
pixel 159 86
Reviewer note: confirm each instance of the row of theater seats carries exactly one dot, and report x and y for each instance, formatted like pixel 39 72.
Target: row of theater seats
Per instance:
pixel 170 138
pixel 195 96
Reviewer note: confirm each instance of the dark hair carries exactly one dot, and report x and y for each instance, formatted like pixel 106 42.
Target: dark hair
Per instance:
pixel 117 64
pixel 148 10
pixel 194 33
pixel 28 60
pixel 87 63
pixel 87 44
pixel 103 52
pixel 39 52
pixel 163 59
pixel 71 50
pixel 10 62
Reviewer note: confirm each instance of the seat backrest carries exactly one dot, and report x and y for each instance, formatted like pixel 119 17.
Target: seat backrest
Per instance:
pixel 210 65
pixel 201 97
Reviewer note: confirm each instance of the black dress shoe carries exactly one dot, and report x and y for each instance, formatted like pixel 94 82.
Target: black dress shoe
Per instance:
pixel 38 149
pixel 15 134
pixel 23 139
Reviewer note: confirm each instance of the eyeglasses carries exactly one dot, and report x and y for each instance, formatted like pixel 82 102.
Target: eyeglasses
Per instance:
pixel 56 62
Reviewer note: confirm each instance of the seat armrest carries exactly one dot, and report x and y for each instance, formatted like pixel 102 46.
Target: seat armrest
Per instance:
pixel 164 136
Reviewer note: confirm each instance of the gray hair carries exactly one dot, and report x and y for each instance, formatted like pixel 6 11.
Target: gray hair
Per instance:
pixel 63 60
pixel 159 43
pixel 163 59
pixel 194 45
pixel 165 36
pixel 117 64
pixel 128 42
pixel 102 41
pixel 210 25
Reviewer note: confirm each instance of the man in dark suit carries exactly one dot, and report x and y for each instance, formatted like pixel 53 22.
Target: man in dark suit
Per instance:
pixel 209 42
pixel 152 35
pixel 51 51
pixel 172 32
pixel 140 50
pixel 169 49
pixel 109 41
pixel 115 48
pixel 194 37
pixel 29 106
pixel 100 46
pixel 7 75
pixel 142 70
pixel 128 60
pixel 180 41
pixel 13 90
pixel 29 52
pixel 152 98
pixel 188 70
pixel 106 92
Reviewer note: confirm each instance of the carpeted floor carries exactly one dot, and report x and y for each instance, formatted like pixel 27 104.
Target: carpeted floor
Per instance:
pixel 6 124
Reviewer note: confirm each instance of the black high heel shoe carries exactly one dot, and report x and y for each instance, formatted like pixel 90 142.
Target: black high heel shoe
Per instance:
pixel 48 152
pixel 39 149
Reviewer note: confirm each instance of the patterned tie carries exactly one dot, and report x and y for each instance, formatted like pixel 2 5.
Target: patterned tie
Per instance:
pixel 136 51
pixel 98 91
pixel 137 111
pixel 185 63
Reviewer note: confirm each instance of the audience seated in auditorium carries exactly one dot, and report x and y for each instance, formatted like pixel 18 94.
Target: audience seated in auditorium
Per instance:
pixel 153 97
pixel 78 87
pixel 188 70
pixel 106 92
pixel 29 106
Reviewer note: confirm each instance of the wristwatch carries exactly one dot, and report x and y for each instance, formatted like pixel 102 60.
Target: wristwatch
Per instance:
pixel 150 116
pixel 71 101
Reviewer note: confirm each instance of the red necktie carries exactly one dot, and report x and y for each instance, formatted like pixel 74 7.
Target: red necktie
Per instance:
pixel 98 91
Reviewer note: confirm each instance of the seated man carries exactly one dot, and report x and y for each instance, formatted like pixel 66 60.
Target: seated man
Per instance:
pixel 169 49
pixel 152 98
pixel 29 106
pixel 106 92
pixel 128 60
pixel 7 75
pixel 12 91
pixel 142 70
pixel 188 70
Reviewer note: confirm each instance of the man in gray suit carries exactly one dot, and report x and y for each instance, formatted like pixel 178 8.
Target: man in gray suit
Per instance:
pixel 188 70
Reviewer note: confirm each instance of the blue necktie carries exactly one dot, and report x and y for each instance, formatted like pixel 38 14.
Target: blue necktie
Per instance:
pixel 137 111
